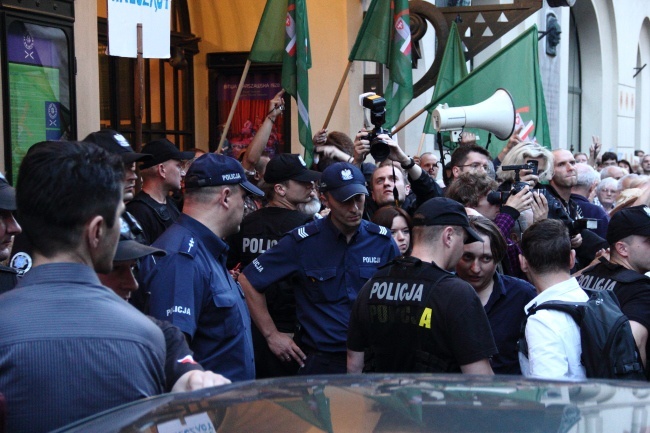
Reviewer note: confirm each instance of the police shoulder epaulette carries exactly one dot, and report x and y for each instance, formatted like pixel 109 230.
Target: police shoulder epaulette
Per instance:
pixel 304 232
pixel 188 246
pixel 377 229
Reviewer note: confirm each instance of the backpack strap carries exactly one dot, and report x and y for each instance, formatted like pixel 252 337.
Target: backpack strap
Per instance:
pixel 573 309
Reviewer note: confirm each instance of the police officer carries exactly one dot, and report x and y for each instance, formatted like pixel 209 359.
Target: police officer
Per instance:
pixel 191 286
pixel 287 184
pixel 330 259
pixel 415 315
pixel 161 174
pixel 625 273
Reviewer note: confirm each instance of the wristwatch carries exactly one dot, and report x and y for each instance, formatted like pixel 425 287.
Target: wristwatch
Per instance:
pixel 409 165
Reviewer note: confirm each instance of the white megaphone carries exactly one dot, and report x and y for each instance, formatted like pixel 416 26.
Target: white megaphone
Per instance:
pixel 496 115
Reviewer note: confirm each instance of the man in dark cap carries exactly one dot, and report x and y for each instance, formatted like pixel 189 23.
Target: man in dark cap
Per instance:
pixel 9 227
pixel 329 260
pixel 628 236
pixel 182 372
pixel 191 286
pixel 161 175
pixel 287 184
pixel 416 315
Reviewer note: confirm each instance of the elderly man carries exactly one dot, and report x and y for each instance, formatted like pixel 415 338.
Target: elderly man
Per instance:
pixel 415 315
pixel 60 367
pixel 330 260
pixel 191 286
pixel 586 183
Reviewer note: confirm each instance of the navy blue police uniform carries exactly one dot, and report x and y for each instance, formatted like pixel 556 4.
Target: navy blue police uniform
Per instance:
pixel 330 272
pixel 191 288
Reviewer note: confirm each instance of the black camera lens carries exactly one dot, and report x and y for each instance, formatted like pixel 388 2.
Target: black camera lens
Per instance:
pixel 379 149
pixel 497 197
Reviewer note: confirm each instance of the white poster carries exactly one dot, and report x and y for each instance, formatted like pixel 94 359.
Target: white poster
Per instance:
pixel 199 423
pixel 123 19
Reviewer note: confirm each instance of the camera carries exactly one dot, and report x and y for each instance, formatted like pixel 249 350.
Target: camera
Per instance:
pixel 500 197
pixel 379 149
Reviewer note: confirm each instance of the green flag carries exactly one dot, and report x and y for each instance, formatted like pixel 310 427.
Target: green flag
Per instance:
pixel 452 70
pixel 296 62
pixel 516 69
pixel 385 37
pixel 399 90
pixel 268 45
pixel 373 39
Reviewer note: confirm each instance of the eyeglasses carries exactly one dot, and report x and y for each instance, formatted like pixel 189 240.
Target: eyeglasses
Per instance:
pixel 476 166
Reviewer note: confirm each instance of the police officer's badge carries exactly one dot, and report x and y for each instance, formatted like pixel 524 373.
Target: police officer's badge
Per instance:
pixel 21 262
pixel 347 174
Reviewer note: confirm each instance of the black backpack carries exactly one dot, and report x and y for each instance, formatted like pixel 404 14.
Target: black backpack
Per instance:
pixel 608 347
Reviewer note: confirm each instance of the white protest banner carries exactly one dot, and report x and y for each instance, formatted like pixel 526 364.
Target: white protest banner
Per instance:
pixel 123 19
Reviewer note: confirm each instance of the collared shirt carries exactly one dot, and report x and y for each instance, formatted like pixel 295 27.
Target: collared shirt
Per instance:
pixel 505 311
pixel 329 271
pixel 70 348
pixel 553 337
pixel 191 288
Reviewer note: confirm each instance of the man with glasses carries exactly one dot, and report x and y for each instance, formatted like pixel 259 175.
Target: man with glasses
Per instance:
pixel 469 159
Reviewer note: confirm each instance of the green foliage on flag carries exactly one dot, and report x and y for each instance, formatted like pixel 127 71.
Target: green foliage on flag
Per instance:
pixel 385 37
pixel 268 46
pixel 514 68
pixel 453 68
pixel 295 64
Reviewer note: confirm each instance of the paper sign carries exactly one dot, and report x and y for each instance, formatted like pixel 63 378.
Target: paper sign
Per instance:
pixel 199 423
pixel 123 19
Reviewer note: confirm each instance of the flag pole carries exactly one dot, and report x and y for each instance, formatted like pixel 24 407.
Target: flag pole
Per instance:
pixel 338 94
pixel 234 106
pixel 421 143
pixel 410 119
pixel 139 90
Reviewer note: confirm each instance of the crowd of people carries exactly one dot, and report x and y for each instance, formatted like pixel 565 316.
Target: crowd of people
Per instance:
pixel 220 271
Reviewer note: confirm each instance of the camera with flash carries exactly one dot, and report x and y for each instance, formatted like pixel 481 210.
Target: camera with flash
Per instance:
pixel 379 149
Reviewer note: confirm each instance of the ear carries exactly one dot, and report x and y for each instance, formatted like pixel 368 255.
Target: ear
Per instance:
pixel 323 200
pixel 280 189
pixel 523 264
pixel 621 249
pixel 455 171
pixel 447 235
pixel 572 261
pixel 95 231
pixel 161 170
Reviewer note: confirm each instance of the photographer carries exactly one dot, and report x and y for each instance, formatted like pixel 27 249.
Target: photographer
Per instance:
pixel 422 186
pixel 565 176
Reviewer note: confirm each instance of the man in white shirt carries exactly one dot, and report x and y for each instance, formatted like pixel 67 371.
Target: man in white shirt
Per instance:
pixel 553 337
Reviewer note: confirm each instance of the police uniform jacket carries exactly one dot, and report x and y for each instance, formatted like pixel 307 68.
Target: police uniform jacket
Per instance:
pixel 331 273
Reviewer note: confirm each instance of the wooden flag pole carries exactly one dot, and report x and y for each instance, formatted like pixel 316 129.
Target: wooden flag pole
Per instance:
pixel 421 143
pixel 409 120
pixel 234 106
pixel 139 92
pixel 338 94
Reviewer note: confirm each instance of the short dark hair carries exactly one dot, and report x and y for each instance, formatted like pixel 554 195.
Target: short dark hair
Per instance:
pixel 459 156
pixel 468 188
pixel 608 156
pixel 546 245
pixel 63 184
pixel 484 227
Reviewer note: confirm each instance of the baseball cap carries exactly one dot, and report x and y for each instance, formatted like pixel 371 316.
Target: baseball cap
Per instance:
pixel 442 211
pixel 130 249
pixel 212 169
pixel 343 181
pixel 288 166
pixel 633 220
pixel 7 195
pixel 163 150
pixel 114 142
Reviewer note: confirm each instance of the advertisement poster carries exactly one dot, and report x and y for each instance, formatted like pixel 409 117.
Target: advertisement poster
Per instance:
pixel 35 56
pixel 252 109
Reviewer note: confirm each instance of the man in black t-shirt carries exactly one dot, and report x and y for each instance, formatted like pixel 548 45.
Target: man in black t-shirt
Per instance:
pixel 287 183
pixel 628 236
pixel 415 315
